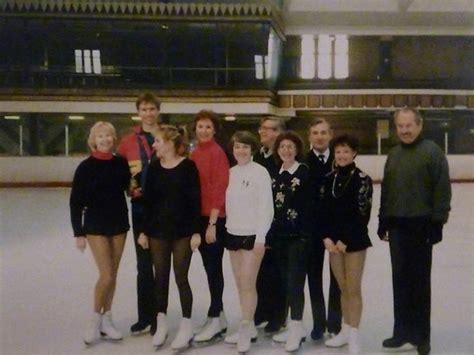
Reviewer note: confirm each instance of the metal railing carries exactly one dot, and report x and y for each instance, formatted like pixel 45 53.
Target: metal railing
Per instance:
pixel 66 76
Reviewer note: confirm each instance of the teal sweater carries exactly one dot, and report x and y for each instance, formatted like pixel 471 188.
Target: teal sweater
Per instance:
pixel 416 183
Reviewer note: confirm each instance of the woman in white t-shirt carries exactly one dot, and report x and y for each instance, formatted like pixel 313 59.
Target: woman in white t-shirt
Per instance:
pixel 249 208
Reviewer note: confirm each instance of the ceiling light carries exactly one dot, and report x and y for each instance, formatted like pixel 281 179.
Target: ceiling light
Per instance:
pixel 76 118
pixel 230 117
pixel 136 118
pixel 11 117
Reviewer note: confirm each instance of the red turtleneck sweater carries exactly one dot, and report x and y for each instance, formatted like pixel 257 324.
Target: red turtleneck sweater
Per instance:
pixel 213 168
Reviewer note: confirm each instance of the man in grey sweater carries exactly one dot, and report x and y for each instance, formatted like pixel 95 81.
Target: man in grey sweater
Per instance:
pixel 415 204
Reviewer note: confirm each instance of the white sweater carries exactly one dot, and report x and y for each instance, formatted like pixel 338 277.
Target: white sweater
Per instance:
pixel 249 201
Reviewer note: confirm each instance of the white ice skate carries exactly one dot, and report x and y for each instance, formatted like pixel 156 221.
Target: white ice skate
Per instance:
pixel 184 337
pixel 92 333
pixel 108 329
pixel 161 331
pixel 296 336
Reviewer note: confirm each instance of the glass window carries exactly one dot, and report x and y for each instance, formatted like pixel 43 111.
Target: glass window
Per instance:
pixel 341 57
pixel 96 62
pixel 258 67
pixel 270 56
pixel 78 60
pixel 307 70
pixel 87 61
pixel 324 57
pixel 11 132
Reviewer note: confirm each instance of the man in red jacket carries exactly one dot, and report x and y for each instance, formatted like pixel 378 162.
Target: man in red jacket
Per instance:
pixel 137 149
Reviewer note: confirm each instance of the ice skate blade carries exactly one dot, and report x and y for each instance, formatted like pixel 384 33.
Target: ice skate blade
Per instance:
pixel 91 343
pixel 252 340
pixel 106 337
pixel 141 332
pixel 407 347
pixel 215 339
pixel 184 348
pixel 294 351
pixel 157 347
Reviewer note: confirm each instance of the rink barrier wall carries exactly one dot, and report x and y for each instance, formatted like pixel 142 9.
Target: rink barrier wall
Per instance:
pixel 59 171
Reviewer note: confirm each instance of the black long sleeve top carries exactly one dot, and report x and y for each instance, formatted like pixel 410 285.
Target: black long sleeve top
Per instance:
pixel 172 201
pixel 347 199
pixel 290 203
pixel 97 202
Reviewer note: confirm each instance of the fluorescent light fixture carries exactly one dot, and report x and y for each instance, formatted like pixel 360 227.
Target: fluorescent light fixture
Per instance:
pixel 136 118
pixel 12 117
pixel 230 117
pixel 76 118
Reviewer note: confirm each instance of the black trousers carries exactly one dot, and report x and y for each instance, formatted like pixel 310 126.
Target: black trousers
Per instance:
pixel 212 259
pixel 271 302
pixel 291 255
pixel 315 284
pixel 411 256
pixel 146 301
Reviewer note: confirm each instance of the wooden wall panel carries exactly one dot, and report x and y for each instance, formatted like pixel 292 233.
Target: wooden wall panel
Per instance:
pixel 358 101
pixel 372 100
pixel 314 101
pixel 449 100
pixel 284 101
pixel 329 100
pixel 386 100
pixel 343 100
pixel 425 101
pixel 437 100
pixel 413 100
pixel 470 101
pixel 299 101
pixel 461 100
pixel 400 100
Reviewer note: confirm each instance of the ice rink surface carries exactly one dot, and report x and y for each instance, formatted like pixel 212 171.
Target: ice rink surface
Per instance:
pixel 46 286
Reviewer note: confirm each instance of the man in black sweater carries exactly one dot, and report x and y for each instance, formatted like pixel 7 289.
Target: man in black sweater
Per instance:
pixel 414 206
pixel 320 160
pixel 271 305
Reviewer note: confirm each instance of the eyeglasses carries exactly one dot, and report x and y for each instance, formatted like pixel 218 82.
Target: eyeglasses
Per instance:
pixel 266 129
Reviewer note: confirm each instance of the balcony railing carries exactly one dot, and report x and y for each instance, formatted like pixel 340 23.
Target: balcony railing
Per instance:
pixel 129 76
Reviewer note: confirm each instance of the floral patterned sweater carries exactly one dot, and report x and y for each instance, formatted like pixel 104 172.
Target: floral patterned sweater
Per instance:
pixel 347 200
pixel 290 203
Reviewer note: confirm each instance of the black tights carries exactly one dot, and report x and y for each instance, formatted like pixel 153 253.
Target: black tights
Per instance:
pixel 161 251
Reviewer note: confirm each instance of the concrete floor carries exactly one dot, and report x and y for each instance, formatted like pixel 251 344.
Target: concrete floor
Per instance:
pixel 46 286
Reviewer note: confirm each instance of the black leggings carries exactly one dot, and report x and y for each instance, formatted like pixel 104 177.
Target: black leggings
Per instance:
pixel 212 259
pixel 161 251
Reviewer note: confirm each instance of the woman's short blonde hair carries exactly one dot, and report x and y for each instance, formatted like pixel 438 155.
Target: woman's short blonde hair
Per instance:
pixel 98 126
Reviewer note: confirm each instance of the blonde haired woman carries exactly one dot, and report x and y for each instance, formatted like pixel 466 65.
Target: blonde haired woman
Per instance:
pixel 99 217
pixel 172 204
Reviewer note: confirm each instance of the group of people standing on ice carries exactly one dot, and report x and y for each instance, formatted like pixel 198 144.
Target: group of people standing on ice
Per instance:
pixel 276 210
